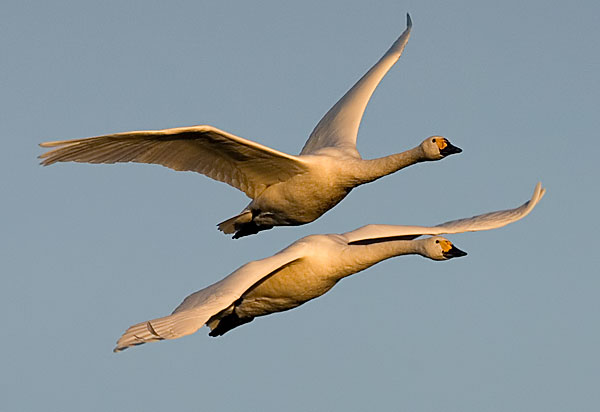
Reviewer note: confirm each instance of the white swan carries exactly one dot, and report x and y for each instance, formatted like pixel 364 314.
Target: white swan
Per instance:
pixel 305 270
pixel 286 189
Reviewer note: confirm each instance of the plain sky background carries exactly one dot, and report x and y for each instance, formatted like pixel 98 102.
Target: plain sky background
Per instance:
pixel 88 250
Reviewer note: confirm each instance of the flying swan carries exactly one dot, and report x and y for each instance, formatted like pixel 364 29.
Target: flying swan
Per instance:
pixel 307 269
pixel 285 189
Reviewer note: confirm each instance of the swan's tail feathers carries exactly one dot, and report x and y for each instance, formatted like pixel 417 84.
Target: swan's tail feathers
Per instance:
pixel 169 327
pixel 233 225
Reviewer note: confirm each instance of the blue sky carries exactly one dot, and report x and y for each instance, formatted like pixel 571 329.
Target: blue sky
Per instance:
pixel 89 250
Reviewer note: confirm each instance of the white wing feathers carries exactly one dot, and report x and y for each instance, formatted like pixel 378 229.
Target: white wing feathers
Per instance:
pixel 169 327
pixel 241 163
pixel 339 127
pixel 199 307
pixel 485 221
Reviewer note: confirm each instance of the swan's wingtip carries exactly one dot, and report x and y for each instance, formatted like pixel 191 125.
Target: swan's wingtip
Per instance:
pixel 542 192
pixel 539 192
pixel 52 144
pixel 408 21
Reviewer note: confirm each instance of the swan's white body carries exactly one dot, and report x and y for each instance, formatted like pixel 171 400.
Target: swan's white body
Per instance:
pixel 305 270
pixel 286 189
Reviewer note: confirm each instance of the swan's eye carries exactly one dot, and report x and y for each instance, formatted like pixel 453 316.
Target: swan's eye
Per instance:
pixel 437 241
pixel 433 140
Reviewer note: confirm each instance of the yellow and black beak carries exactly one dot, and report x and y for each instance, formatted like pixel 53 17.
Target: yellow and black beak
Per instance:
pixel 448 148
pixel 453 252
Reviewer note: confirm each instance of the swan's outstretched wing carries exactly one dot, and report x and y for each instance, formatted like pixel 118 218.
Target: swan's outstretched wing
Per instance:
pixel 243 164
pixel 339 127
pixel 486 221
pixel 200 306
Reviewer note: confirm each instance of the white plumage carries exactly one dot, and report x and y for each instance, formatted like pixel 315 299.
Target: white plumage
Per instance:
pixel 286 189
pixel 307 269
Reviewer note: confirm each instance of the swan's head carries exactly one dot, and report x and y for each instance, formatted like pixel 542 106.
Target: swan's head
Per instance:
pixel 438 147
pixel 440 248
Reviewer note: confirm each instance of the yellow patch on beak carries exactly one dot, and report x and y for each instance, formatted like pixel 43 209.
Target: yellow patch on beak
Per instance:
pixel 441 143
pixel 446 245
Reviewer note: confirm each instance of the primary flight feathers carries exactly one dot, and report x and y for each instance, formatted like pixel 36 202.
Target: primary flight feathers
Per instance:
pixel 241 163
pixel 477 223
pixel 307 269
pixel 285 189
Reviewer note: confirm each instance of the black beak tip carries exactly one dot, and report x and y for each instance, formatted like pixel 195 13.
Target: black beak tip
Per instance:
pixel 450 149
pixel 454 253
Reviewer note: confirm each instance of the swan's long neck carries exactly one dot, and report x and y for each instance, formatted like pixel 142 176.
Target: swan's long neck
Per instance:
pixel 362 256
pixel 373 169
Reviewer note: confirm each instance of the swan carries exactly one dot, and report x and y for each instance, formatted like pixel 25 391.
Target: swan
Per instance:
pixel 285 189
pixel 307 269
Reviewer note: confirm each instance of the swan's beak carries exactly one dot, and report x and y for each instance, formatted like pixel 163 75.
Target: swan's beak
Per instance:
pixel 454 252
pixel 450 149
